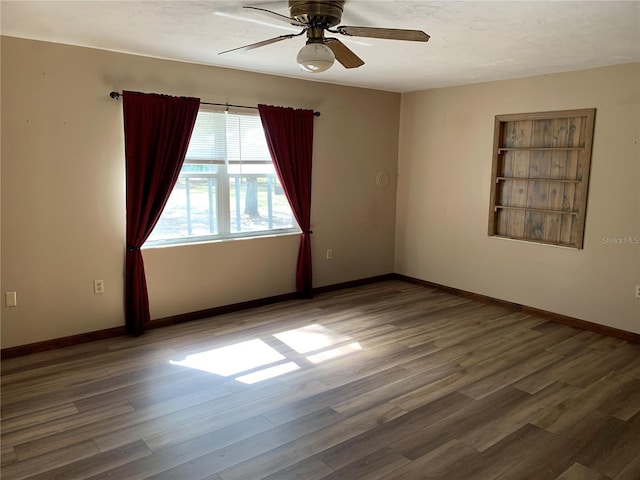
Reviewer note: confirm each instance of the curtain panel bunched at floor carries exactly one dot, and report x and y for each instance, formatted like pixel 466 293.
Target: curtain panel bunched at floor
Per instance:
pixel 157 129
pixel 289 135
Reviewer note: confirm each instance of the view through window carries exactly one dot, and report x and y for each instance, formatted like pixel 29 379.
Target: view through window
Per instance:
pixel 227 187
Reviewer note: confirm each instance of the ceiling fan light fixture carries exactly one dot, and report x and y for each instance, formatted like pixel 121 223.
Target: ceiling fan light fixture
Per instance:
pixel 315 57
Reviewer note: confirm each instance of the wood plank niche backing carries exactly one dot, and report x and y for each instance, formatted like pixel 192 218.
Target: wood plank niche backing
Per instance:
pixel 540 176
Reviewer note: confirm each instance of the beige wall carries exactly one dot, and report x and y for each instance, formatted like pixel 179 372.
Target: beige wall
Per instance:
pixel 63 190
pixel 62 220
pixel 444 172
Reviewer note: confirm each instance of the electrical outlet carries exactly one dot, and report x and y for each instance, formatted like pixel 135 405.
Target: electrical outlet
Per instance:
pixel 329 254
pixel 637 291
pixel 98 286
pixel 10 299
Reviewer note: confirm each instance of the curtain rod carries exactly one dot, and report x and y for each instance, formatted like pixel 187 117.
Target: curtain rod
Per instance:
pixel 117 95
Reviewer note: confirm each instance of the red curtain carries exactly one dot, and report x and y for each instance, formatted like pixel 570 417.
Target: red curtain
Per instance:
pixel 289 135
pixel 157 129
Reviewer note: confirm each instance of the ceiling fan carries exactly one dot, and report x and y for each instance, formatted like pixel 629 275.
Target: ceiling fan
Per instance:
pixel 317 17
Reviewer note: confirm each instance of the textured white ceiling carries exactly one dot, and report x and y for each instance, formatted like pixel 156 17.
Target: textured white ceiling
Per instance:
pixel 471 41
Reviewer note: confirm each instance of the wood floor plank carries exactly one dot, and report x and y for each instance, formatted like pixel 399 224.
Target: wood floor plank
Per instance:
pixel 156 388
pixel 312 444
pixel 37 417
pixel 626 404
pixel 371 467
pixel 100 431
pixel 575 408
pixel 7 455
pixel 560 451
pixel 167 439
pixel 79 419
pixel 234 408
pixel 143 422
pixel 575 343
pixel 509 375
pixel 100 462
pixel 617 446
pixel 557 371
pixel 393 388
pixel 164 459
pixel 43 463
pixel 475 415
pixel 432 465
pixel 503 458
pixel 374 361
pixel 329 397
pixel 465 354
pixel 631 471
pixel 254 446
pixel 516 416
pixel 310 469
pixel 411 425
pixel 633 367
pixel 484 347
pixel 477 325
pixel 49 358
pixel 580 472
pixel 432 386
pixel 446 385
pixel 57 395
pixel 86 367
pixel 611 360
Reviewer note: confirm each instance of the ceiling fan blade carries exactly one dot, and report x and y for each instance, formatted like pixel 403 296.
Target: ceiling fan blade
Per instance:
pixel 387 33
pixel 262 43
pixel 344 54
pixel 277 16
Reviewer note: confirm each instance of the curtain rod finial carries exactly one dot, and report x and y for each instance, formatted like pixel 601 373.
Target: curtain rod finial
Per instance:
pixel 115 95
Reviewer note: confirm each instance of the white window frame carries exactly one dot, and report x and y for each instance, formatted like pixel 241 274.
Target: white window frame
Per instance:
pixel 222 198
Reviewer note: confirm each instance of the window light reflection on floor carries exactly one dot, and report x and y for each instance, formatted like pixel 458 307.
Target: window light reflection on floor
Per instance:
pixel 232 359
pixel 269 372
pixel 310 338
pixel 265 361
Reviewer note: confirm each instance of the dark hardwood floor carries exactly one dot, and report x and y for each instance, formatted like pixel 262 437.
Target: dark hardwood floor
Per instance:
pixel 385 381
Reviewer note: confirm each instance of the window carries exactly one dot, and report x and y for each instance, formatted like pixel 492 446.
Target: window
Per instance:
pixel 227 187
pixel 540 176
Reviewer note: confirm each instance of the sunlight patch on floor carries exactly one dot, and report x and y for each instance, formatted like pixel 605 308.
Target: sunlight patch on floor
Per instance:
pixel 265 361
pixel 232 359
pixel 310 338
pixel 267 373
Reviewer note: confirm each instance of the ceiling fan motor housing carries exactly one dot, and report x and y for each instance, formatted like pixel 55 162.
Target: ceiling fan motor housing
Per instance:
pixel 324 14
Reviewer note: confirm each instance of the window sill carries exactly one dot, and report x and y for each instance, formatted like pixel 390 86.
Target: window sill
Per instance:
pixel 182 243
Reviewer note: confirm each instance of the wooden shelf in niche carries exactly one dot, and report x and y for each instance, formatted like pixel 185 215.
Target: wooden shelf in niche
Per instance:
pixel 534 179
pixel 543 149
pixel 540 176
pixel 559 212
